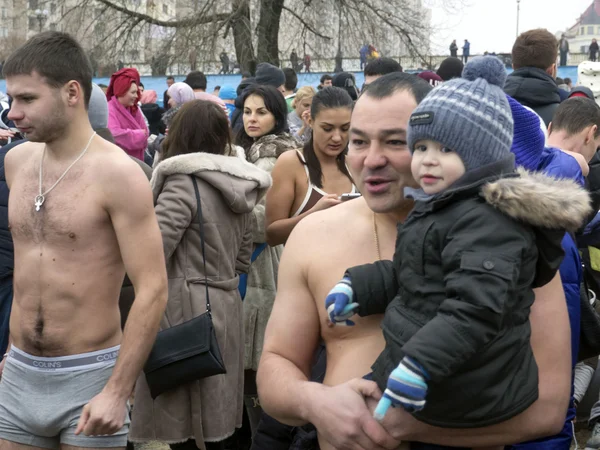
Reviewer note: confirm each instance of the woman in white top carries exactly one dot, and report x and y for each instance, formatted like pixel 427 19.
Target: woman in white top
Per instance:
pixel 314 178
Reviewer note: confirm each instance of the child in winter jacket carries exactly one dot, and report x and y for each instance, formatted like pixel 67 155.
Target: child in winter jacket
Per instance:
pixel 480 238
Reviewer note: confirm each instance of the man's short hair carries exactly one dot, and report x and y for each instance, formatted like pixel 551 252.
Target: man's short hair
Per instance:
pixel 326 77
pixel 382 66
pixel 170 78
pixel 196 80
pixel 291 79
pixel 535 48
pixel 575 114
pixel 568 81
pixel 388 85
pixel 559 81
pixel 55 56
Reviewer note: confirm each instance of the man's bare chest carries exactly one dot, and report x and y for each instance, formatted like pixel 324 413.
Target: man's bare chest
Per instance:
pixel 70 212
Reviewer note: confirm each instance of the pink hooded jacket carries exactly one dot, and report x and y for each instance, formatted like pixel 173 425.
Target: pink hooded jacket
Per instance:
pixel 129 130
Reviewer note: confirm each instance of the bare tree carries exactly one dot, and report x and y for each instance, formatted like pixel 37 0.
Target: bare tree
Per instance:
pixel 320 27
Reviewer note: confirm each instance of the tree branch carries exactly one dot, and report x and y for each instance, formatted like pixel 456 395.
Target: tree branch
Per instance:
pixel 306 25
pixel 193 21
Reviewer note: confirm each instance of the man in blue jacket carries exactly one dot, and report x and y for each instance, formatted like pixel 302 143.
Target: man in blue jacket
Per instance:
pixel 573 138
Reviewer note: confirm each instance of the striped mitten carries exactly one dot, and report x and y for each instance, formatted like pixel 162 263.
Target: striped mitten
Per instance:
pixel 406 386
pixel 339 303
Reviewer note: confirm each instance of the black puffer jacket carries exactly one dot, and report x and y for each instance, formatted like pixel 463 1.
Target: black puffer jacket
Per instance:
pixel 459 290
pixel 536 89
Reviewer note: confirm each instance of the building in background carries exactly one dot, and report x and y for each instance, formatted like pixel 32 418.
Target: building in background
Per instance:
pixel 580 35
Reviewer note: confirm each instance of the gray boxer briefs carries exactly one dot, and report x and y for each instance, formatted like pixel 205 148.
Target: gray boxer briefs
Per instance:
pixel 41 399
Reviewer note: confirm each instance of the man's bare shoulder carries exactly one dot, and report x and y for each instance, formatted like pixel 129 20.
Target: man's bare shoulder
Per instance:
pixel 113 165
pixel 22 152
pixel 331 224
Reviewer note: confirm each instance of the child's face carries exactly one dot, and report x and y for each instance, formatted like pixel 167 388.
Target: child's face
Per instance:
pixel 435 167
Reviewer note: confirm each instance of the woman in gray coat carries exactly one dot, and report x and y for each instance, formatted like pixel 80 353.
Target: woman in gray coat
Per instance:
pixel 205 412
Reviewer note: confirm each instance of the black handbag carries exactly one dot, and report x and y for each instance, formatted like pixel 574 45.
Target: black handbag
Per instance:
pixel 189 351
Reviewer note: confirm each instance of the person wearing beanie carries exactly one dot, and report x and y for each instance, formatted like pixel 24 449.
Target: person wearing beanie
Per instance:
pixel 347 82
pixel 479 239
pixel 450 68
pixel 431 77
pixel 269 75
pixel 228 94
pixel 125 120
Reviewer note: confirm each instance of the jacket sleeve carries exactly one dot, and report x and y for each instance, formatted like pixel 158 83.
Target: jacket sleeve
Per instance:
pixel 242 263
pixel 481 264
pixel 374 285
pixel 126 138
pixel 174 211
pixel 258 213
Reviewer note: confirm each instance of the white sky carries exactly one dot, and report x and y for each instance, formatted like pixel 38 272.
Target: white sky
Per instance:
pixel 491 24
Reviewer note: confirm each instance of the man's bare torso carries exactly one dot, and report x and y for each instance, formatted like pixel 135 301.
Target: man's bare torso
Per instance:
pixel 68 267
pixel 347 236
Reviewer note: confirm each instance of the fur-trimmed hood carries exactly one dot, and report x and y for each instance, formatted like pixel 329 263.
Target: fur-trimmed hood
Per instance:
pixel 540 200
pixel 271 146
pixel 242 184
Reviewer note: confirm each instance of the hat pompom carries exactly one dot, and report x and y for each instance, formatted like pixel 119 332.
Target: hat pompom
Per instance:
pixel 490 68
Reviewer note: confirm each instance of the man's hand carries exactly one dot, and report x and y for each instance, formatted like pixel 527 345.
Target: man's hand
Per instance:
pixel 400 424
pixel 342 418
pixel 103 415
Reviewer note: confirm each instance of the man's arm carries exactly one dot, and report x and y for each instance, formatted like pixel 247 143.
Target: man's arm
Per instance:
pixel 552 350
pixel 130 206
pixel 339 413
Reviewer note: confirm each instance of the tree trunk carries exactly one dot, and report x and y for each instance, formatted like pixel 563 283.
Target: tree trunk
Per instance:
pixel 242 34
pixel 268 31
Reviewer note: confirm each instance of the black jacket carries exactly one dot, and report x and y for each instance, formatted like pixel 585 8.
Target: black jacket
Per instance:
pixel 536 89
pixel 459 291
pixel 154 114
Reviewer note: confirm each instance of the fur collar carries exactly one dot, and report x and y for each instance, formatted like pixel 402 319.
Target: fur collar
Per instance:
pixel 271 146
pixel 204 164
pixel 540 200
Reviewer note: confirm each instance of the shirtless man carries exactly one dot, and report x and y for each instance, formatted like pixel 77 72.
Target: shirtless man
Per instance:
pixel 317 254
pixel 65 381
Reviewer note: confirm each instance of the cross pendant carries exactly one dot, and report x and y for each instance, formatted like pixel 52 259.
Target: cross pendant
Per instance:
pixel 39 201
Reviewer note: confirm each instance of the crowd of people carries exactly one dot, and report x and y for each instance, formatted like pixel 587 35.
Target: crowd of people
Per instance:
pixel 411 263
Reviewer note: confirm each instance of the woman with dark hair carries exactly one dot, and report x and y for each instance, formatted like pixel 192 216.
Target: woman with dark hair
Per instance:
pixel 264 138
pixel 197 151
pixel 313 179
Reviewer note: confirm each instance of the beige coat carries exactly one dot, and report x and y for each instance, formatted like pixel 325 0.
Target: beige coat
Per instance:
pixel 262 276
pixel 209 409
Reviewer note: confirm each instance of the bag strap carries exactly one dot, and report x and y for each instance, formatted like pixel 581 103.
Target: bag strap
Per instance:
pixel 201 224
pixel 257 251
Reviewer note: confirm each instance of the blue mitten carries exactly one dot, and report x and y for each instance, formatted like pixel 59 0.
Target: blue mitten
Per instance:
pixel 406 386
pixel 339 303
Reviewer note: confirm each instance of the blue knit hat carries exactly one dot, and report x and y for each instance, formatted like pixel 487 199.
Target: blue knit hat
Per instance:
pixel 529 138
pixel 227 92
pixel 469 115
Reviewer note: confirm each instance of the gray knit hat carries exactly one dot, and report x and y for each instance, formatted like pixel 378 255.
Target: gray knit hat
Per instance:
pixel 469 115
pixel 98 108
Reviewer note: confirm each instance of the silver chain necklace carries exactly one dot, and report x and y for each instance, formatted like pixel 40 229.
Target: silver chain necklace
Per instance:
pixel 39 199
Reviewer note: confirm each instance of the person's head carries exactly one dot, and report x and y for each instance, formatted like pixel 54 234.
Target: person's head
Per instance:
pixel 559 81
pixel 196 80
pixel 49 80
pixel 246 75
pixel 103 87
pixel 326 80
pixel 291 79
pixel 450 68
pixel 569 82
pixel 330 114
pixel 216 90
pixel 265 112
pixel 378 155
pixel 199 126
pixel 124 85
pixel 227 93
pixel 98 109
pixel 303 99
pixel 536 48
pixel 142 88
pixel 170 81
pixel 577 120
pixel 431 77
pixel 594 41
pixel 379 67
pixel 269 75
pixel 462 126
pixel 149 96
pixel 346 81
pixel 180 93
